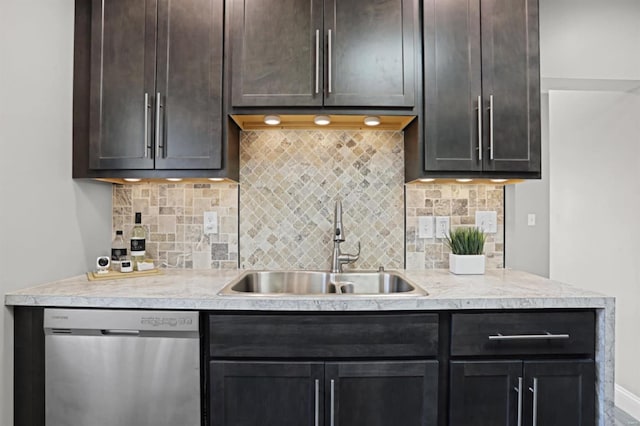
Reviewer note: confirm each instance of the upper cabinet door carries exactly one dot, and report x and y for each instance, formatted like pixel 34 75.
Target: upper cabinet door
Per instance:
pixel 453 86
pixel 511 85
pixel 188 98
pixel 122 84
pixel 276 52
pixel 371 54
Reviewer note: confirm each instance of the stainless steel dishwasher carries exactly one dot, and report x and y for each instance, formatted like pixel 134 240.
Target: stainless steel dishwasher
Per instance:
pixel 121 368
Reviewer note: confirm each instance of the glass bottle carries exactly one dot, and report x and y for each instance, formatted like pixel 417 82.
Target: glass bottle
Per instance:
pixel 118 250
pixel 138 241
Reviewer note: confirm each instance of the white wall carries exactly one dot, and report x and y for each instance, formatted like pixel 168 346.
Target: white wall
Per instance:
pixel 50 226
pixel 590 39
pixel 527 247
pixel 595 207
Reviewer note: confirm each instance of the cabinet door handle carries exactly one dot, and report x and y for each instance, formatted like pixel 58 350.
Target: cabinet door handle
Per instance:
pixel 491 127
pixel 332 409
pixel 480 128
pixel 546 336
pixel 147 147
pixel 329 60
pixel 519 391
pixel 534 389
pixel 317 404
pixel 159 144
pixel 317 61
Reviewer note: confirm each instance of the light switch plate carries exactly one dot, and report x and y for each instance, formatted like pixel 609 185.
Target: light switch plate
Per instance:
pixel 442 226
pixel 210 223
pixel 531 219
pixel 426 226
pixel 487 221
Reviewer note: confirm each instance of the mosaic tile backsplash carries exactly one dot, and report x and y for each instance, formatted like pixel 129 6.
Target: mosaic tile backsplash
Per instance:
pixel 460 203
pixel 289 181
pixel 173 215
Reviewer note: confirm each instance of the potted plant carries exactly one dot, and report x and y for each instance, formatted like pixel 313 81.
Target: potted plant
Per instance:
pixel 467 245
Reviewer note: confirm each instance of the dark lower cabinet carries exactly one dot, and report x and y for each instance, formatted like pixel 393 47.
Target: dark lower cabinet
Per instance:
pixel 529 393
pixel 380 393
pixel 266 393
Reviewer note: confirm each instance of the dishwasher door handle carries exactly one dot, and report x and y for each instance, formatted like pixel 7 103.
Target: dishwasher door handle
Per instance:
pixel 116 332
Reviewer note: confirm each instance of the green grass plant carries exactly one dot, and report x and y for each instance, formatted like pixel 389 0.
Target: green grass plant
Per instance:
pixel 466 240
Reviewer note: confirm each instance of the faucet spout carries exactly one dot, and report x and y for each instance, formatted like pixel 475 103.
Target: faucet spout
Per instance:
pixel 338 233
pixel 340 258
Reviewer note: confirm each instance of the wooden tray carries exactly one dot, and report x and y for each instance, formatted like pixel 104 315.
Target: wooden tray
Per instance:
pixel 116 275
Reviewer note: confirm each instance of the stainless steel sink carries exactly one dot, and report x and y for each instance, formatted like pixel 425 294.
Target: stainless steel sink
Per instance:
pixel 321 283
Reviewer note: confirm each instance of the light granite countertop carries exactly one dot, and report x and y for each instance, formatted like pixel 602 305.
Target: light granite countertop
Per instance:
pixel 198 289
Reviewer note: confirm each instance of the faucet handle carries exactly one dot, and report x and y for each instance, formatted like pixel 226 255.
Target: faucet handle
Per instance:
pixel 350 258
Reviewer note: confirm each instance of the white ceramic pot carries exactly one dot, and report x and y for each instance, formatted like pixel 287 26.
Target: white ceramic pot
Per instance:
pixel 466 264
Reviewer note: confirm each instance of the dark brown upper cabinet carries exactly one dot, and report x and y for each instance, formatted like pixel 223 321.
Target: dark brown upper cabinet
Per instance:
pixel 481 87
pixel 155 91
pixel 336 53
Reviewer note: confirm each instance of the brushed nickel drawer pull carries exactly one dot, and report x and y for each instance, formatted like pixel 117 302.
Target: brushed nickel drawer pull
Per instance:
pixel 546 336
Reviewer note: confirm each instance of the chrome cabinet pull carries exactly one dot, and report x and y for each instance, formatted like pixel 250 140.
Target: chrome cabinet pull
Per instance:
pixel 329 60
pixel 147 147
pixel 159 145
pixel 546 336
pixel 317 404
pixel 491 127
pixel 332 410
pixel 317 61
pixel 534 389
pixel 480 128
pixel 519 391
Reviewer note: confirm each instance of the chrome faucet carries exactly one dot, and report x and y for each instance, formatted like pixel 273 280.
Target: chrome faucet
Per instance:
pixel 340 258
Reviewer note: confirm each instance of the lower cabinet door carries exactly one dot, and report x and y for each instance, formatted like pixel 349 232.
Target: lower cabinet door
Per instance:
pixel 559 393
pixel 381 393
pixel 266 393
pixel 485 393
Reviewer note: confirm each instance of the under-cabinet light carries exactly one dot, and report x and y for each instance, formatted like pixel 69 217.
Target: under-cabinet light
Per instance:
pixel 174 179
pixel 426 180
pixel 464 180
pixel 132 179
pixel 216 179
pixel 372 121
pixel 272 120
pixel 321 120
pixel 498 180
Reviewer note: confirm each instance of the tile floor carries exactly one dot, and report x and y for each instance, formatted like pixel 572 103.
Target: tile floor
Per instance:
pixel 623 419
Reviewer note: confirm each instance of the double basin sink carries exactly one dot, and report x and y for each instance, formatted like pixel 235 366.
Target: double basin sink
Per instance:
pixel 314 283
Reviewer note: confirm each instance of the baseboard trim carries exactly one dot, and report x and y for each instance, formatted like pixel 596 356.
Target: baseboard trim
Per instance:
pixel 627 401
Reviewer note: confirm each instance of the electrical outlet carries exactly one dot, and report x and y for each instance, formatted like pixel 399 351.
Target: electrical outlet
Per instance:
pixel 210 223
pixel 426 227
pixel 531 219
pixel 487 221
pixel 442 226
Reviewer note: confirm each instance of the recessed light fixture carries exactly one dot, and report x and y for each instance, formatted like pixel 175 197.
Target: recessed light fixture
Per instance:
pixel 322 120
pixel 132 179
pixel 498 180
pixel 272 120
pixel 216 179
pixel 174 179
pixel 464 180
pixel 426 180
pixel 372 120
